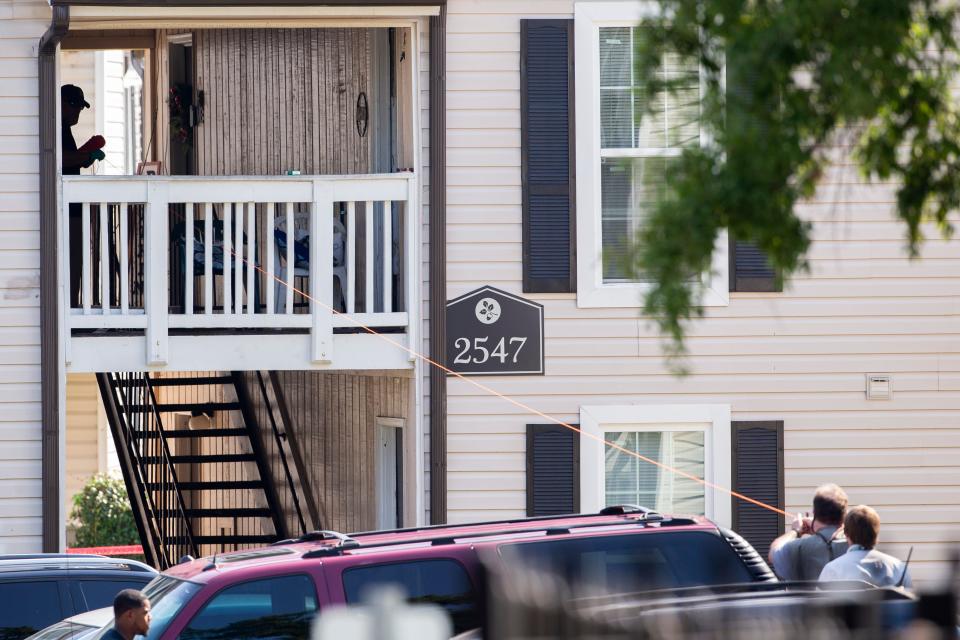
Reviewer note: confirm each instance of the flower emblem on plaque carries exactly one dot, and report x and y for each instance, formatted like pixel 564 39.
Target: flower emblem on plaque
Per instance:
pixel 488 311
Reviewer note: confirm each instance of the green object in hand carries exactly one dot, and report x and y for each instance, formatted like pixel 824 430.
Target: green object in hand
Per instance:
pixel 97 155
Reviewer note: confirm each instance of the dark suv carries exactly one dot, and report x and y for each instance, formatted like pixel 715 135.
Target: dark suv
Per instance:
pixel 251 594
pixel 39 590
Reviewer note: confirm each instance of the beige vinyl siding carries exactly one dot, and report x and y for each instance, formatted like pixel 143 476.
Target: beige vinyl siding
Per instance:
pixel 799 356
pixel 86 452
pixel 21 25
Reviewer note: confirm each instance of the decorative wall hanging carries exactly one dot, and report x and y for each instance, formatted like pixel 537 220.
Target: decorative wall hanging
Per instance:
pixel 363 114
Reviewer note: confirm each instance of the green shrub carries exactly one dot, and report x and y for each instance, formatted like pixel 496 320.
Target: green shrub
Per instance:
pixel 102 513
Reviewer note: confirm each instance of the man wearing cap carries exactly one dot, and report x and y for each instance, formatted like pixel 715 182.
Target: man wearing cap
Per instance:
pixel 73 159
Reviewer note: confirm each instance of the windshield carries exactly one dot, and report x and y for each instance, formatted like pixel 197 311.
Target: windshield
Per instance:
pixel 636 562
pixel 167 597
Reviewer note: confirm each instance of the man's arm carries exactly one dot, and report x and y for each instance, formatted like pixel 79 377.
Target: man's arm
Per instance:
pixel 779 551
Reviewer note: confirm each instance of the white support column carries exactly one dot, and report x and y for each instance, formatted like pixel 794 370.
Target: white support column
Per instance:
pixel 388 257
pixel 251 264
pixel 411 289
pixel 208 258
pixel 368 259
pixel 188 262
pixel 87 289
pixel 351 292
pixel 227 256
pixel 157 273
pixel 238 258
pixel 321 271
pixel 124 261
pixel 271 268
pixel 291 258
pixel 63 264
pixel 105 258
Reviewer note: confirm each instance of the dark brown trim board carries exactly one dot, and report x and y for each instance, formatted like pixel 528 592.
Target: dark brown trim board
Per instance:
pixel 438 266
pixel 49 316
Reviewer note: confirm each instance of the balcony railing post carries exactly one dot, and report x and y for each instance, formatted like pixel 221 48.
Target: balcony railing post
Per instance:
pixel 411 222
pixel 321 271
pixel 157 274
pixel 63 259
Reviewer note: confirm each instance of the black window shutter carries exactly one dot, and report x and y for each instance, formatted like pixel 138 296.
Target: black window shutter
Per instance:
pixel 547 143
pixel 758 474
pixel 553 470
pixel 750 270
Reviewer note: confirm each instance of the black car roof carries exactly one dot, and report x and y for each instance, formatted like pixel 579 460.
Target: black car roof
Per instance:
pixel 35 565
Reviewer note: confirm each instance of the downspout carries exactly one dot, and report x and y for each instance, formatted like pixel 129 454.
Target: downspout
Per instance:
pixel 49 311
pixel 438 265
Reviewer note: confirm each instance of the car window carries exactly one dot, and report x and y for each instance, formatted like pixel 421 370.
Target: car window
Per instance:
pixel 100 593
pixel 167 597
pixel 28 607
pixel 63 631
pixel 275 608
pixel 636 562
pixel 442 582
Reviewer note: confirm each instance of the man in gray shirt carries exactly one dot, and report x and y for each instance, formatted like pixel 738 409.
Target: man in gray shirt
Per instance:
pixel 862 561
pixel 803 552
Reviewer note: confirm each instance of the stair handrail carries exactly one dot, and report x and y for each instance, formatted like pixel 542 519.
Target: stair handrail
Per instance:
pixel 125 431
pixel 282 452
pixel 289 430
pixel 181 506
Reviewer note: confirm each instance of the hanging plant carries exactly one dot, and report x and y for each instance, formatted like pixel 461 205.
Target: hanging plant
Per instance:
pixel 181 102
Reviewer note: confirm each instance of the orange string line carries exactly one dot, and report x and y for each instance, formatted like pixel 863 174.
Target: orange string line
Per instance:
pixel 517 403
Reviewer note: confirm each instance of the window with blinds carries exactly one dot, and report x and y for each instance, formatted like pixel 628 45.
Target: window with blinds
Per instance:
pixel 632 480
pixel 638 140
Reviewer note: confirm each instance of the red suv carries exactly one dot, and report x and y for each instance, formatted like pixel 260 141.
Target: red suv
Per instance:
pixel 274 592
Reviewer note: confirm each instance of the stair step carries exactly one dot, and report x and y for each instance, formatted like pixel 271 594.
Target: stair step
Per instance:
pixel 238 432
pixel 222 485
pixel 185 407
pixel 238 512
pixel 224 540
pixel 179 382
pixel 202 459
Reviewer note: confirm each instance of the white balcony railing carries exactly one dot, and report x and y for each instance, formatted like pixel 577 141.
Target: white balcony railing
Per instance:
pixel 201 254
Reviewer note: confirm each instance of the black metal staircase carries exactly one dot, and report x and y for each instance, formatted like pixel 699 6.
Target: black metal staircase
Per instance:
pixel 200 471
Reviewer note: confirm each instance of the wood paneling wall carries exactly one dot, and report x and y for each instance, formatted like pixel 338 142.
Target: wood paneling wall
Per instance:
pixel 334 415
pixel 281 99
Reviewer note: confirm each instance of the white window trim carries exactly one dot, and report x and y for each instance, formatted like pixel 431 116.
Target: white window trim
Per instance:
pixel 712 419
pixel 591 290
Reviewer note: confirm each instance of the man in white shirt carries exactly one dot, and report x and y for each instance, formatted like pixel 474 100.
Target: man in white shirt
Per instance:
pixel 861 561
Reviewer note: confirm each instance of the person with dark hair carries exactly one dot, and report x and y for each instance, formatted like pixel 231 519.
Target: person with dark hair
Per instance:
pixel 862 561
pixel 131 616
pixel 803 552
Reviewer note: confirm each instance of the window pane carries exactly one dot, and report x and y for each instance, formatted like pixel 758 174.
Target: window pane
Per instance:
pixel 28 607
pixel 100 593
pixel 626 121
pixel 277 608
pixel 630 480
pixel 637 562
pixel 629 188
pixel 441 582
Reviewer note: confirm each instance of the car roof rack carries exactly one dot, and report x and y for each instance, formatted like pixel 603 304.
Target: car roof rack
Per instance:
pixel 72 562
pixel 625 509
pixel 350 542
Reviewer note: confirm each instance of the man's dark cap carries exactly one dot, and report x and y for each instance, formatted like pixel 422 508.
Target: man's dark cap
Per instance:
pixel 72 94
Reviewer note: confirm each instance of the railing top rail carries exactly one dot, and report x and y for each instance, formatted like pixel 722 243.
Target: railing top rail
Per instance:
pixel 361 177
pixel 388 186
